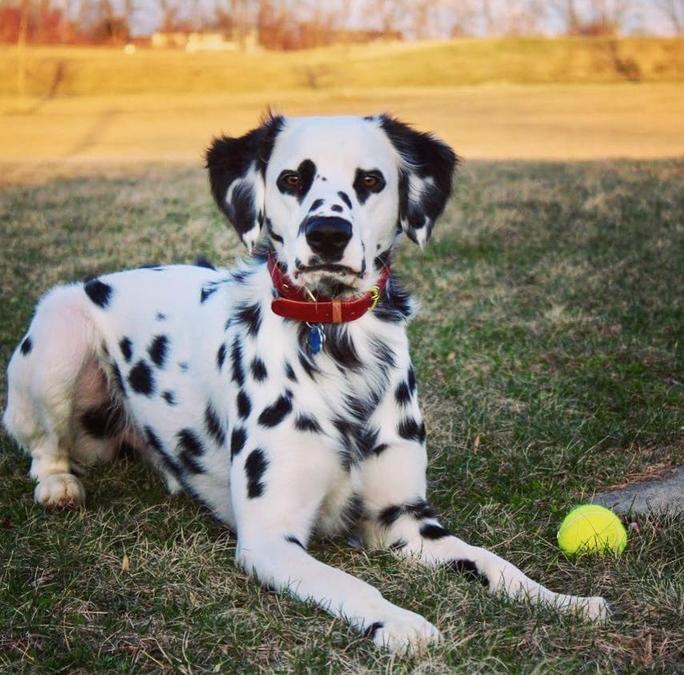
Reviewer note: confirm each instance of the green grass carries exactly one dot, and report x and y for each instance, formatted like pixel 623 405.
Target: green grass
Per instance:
pixel 551 365
pixel 107 71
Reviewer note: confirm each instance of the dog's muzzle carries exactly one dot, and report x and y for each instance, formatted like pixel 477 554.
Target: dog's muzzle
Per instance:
pixel 328 237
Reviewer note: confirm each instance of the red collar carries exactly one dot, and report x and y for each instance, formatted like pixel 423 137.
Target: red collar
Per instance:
pixel 293 303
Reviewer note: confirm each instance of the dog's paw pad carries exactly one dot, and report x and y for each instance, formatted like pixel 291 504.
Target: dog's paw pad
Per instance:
pixel 59 491
pixel 404 633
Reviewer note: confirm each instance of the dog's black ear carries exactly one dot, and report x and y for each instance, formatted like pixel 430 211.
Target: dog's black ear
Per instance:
pixel 425 177
pixel 237 170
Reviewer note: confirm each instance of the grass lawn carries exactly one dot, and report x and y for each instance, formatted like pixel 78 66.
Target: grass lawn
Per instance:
pixel 550 356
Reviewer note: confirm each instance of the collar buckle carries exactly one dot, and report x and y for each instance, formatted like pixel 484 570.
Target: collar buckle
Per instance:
pixel 375 297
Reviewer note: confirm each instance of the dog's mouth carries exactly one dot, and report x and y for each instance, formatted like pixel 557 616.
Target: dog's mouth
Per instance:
pixel 328 268
pixel 328 280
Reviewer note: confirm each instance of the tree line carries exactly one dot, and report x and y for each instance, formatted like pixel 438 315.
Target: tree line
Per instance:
pixel 296 24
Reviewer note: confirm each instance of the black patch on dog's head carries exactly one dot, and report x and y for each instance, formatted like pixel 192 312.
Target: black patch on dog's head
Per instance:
pixel 429 164
pixel 241 163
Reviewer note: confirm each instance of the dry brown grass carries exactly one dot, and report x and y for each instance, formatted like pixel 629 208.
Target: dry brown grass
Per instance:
pixel 507 121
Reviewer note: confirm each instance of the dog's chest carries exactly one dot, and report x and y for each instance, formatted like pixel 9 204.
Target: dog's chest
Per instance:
pixel 207 368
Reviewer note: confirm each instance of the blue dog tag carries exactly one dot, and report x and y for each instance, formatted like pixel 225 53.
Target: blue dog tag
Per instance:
pixel 315 338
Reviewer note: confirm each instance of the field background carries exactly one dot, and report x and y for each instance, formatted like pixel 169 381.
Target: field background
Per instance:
pixel 533 98
pixel 549 347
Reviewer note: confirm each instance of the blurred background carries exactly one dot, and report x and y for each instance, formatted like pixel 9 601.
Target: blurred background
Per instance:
pixel 110 81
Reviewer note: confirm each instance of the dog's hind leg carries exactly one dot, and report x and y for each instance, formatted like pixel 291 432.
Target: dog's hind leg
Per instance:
pixel 399 518
pixel 43 379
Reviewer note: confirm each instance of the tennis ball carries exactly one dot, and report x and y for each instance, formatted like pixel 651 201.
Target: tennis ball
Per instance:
pixel 591 528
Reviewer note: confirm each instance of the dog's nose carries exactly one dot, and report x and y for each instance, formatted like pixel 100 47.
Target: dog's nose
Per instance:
pixel 328 237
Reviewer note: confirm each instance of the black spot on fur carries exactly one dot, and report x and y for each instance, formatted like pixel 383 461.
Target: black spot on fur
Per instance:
pixel 238 372
pixel 221 356
pixel 249 316
pixel 389 515
pixel 411 430
pixel 274 414
pixel 432 531
pixel 468 569
pixel 273 234
pixel 190 447
pixel 290 373
pixel 105 421
pixel 383 353
pixel 244 405
pixel 373 629
pixel 201 261
pixel 307 423
pixel 380 448
pixel 153 440
pixel 411 379
pixel 237 441
pixel 419 509
pixel 397 545
pixel 141 379
pixel 353 511
pixel 169 397
pixel 214 426
pixel 99 292
pixel 403 393
pixel 161 316
pixel 158 350
pixel 293 540
pixel 345 198
pixel 206 292
pixel 316 205
pixel 26 346
pixel 258 369
pixel 126 347
pixel 336 208
pixel 255 467
pixel 338 345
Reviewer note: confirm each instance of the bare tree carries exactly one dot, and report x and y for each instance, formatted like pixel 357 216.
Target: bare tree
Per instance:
pixel 567 10
pixel 390 13
pixel 522 17
pixel 673 11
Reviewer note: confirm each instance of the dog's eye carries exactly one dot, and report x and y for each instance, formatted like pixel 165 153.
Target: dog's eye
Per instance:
pixel 366 182
pixel 289 181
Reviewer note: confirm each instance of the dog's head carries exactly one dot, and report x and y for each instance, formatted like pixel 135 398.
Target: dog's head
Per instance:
pixel 331 194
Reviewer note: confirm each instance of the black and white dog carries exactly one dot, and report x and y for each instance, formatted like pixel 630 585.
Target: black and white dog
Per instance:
pixel 280 394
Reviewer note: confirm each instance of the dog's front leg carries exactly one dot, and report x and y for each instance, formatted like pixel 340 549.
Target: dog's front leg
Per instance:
pixel 278 485
pixel 400 518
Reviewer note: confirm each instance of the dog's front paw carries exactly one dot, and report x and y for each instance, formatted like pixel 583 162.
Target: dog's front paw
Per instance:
pixel 593 608
pixel 404 632
pixel 59 491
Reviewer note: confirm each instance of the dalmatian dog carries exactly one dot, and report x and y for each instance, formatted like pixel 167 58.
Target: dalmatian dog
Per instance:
pixel 279 394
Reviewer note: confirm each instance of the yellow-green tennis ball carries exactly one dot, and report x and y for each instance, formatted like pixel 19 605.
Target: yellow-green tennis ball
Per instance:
pixel 591 528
